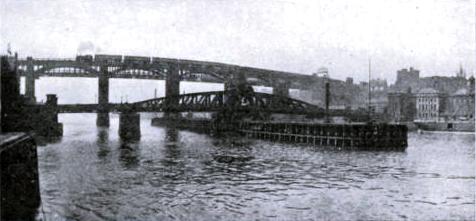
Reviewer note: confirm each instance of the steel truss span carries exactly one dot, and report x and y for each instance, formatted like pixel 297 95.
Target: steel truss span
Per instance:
pixel 206 102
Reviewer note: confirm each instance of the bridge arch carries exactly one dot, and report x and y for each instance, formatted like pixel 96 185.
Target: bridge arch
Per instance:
pixel 64 70
pixel 259 81
pixel 138 71
pixel 203 76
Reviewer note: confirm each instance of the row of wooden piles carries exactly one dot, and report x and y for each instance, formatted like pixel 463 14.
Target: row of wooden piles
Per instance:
pixel 335 136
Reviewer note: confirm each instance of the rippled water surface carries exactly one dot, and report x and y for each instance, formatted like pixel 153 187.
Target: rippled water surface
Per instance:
pixel 180 175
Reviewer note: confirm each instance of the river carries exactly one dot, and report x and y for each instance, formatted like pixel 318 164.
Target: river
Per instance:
pixel 174 175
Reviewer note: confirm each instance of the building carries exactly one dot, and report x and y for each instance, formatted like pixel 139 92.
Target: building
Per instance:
pixel 401 106
pixel 378 85
pixel 378 95
pixel 341 92
pixel 438 98
pixel 379 105
pixel 411 78
pixel 322 72
pixel 407 78
pixel 471 84
pixel 430 105
pixel 303 95
pixel 445 85
pixel 349 81
pixel 460 106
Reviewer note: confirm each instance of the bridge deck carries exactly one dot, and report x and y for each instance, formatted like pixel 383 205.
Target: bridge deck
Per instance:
pixel 155 68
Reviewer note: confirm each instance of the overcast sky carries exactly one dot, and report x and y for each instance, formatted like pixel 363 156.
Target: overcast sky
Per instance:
pixel 434 36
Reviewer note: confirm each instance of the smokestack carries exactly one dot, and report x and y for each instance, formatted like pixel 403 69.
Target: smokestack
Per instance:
pixel 328 96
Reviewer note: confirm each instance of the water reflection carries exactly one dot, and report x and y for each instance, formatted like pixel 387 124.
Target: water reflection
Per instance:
pixel 171 134
pixel 172 162
pixel 129 154
pixel 42 141
pixel 103 142
pixel 172 150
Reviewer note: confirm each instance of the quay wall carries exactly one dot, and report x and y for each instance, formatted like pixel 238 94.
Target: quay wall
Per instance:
pixel 20 193
pixel 467 126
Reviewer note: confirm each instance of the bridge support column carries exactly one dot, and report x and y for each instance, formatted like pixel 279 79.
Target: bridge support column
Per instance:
pixel 172 87
pixel 129 126
pixel 227 85
pixel 30 80
pixel 236 81
pixel 103 98
pixel 282 89
pixel 46 122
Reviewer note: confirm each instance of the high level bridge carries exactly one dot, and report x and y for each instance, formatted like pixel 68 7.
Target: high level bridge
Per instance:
pixel 117 66
pixel 171 70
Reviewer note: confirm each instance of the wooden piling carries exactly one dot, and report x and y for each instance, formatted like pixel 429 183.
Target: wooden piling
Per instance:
pixel 336 136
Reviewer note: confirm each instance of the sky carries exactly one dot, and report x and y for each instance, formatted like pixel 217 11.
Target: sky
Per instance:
pixel 434 36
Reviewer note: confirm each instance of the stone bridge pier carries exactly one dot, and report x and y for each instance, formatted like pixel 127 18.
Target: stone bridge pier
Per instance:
pixel 281 88
pixel 103 97
pixel 235 81
pixel 30 80
pixel 172 88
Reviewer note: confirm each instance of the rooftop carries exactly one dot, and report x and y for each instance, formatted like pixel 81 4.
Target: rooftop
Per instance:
pixel 428 91
pixel 462 91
